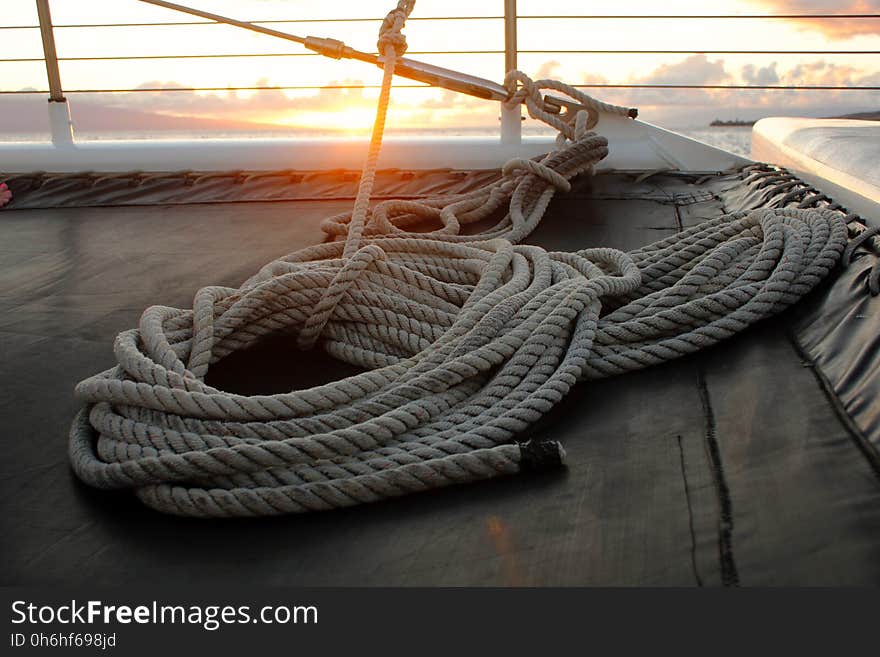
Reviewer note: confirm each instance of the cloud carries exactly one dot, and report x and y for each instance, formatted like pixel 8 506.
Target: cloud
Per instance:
pixel 547 70
pixel 174 108
pixel 442 109
pixel 765 75
pixel 842 28
pixel 822 73
pixel 262 105
pixel 694 106
pixel 451 100
pixel 453 108
pixel 696 69
pixel 666 105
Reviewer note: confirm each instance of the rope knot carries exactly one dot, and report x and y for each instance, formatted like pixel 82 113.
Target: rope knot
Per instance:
pixel 347 276
pixel 390 33
pixel 394 39
pixel 542 171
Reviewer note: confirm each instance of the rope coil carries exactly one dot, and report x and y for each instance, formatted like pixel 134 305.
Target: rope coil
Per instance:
pixel 467 339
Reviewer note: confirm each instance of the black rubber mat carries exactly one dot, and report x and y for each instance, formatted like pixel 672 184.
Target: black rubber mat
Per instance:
pixel 741 465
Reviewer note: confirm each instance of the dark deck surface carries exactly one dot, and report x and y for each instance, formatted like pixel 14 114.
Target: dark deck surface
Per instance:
pixel 733 466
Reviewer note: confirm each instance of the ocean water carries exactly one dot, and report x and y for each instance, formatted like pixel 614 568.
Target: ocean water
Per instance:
pixel 734 139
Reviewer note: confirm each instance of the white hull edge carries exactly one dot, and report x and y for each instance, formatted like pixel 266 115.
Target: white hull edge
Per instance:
pixel 634 145
pixel 837 156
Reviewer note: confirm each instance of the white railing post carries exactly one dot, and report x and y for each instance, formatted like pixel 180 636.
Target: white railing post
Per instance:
pixel 59 110
pixel 511 118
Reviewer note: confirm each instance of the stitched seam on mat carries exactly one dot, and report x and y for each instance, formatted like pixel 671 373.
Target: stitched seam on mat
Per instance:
pixel 687 497
pixel 729 574
pixel 679 224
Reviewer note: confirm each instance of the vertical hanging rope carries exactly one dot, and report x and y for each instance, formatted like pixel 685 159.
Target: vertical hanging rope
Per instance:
pixel 391 45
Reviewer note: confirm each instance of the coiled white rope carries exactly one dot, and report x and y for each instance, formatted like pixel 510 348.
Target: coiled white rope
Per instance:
pixel 468 339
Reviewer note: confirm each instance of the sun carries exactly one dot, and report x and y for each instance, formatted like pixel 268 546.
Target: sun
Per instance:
pixel 351 120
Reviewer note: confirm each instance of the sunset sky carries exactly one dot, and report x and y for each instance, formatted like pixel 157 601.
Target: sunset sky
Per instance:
pixel 351 111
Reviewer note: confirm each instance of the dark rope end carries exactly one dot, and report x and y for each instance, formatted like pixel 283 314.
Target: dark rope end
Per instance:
pixel 537 455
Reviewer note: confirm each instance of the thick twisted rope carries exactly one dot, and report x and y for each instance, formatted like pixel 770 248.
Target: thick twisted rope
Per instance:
pixel 467 340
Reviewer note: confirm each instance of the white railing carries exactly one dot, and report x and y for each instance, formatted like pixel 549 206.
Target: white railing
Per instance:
pixel 273 152
pixel 510 119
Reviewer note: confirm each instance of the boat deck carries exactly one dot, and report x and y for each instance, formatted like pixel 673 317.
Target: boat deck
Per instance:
pixel 751 463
